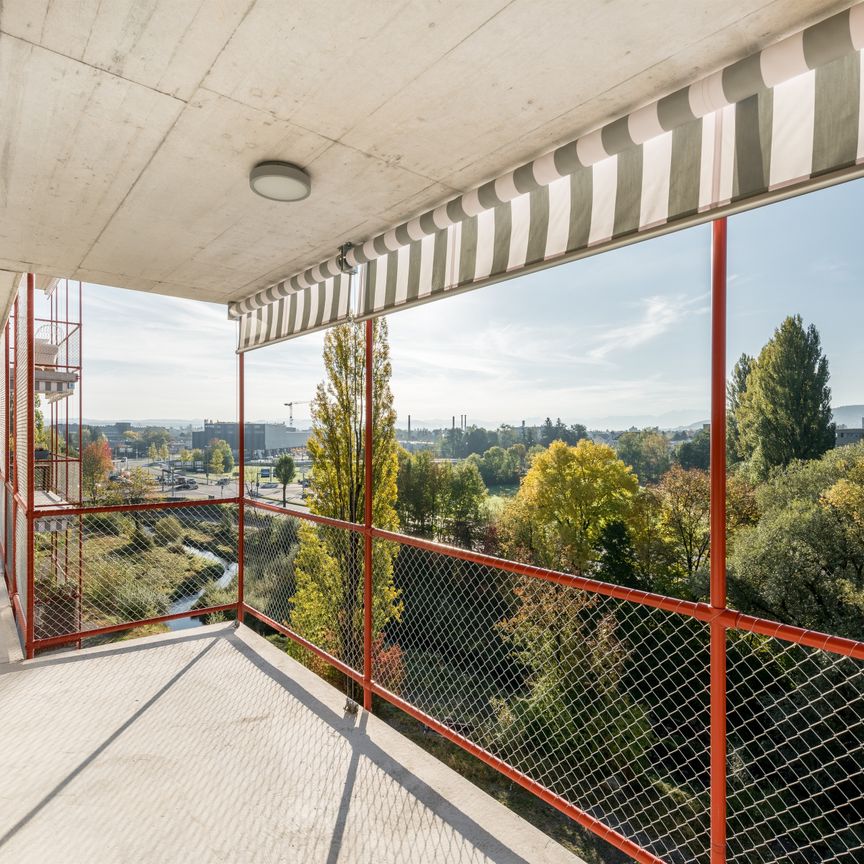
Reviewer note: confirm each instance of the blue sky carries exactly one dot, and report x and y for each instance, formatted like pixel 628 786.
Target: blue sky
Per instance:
pixel 611 340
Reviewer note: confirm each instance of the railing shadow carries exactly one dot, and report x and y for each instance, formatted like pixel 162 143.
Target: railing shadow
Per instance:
pixel 198 747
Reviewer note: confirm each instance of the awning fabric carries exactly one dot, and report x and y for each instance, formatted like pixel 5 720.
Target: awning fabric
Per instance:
pixel 772 124
pixel 305 311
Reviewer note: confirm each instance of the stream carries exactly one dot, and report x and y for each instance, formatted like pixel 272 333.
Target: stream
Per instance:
pixel 184 604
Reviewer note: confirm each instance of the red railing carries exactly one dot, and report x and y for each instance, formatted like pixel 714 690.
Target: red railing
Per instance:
pixel 703 735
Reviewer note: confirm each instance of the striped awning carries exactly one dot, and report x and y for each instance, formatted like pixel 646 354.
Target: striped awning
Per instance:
pixel 313 308
pixel 766 141
pixel 773 124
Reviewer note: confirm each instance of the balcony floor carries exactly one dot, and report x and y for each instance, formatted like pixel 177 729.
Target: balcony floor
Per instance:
pixel 212 745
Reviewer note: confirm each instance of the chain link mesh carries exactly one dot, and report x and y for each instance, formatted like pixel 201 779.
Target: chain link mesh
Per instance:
pixel 108 568
pixel 796 753
pixel 21 560
pixel 23 409
pixel 603 702
pixel 309 578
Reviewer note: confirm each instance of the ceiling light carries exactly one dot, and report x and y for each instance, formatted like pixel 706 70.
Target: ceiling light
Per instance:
pixel 280 181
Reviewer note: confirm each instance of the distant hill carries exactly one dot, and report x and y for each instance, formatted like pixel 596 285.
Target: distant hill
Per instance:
pixel 848 415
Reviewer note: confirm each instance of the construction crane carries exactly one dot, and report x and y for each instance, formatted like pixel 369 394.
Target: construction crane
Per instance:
pixel 290 407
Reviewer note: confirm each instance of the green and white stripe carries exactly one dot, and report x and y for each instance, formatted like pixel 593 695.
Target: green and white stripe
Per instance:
pixel 771 121
pixel 314 308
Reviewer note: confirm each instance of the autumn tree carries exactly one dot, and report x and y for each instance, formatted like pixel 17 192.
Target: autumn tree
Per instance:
pixel 96 464
pixel 785 411
pixel 566 499
pixel 328 603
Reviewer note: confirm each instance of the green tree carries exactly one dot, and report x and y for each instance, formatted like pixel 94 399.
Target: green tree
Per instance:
pixel 646 452
pixel 785 412
pixel 285 470
pixel 803 562
pixel 696 453
pixel 216 463
pixel 218 458
pixel 422 488
pixel 328 603
pixel 464 504
pixel 736 386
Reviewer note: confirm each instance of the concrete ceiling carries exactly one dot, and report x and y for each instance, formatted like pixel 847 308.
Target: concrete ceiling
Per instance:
pixel 128 129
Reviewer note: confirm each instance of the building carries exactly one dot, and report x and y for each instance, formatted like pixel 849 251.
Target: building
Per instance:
pixel 262 439
pixel 845 436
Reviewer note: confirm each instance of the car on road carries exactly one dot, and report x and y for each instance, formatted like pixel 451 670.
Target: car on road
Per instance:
pixel 223 481
pixel 269 485
pixel 191 484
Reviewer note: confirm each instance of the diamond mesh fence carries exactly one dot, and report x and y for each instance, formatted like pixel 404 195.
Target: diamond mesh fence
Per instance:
pixel 23 409
pixel 108 568
pixel 601 701
pixel 795 753
pixel 307 577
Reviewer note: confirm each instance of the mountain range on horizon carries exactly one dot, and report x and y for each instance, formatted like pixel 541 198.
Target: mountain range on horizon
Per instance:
pixel 851 416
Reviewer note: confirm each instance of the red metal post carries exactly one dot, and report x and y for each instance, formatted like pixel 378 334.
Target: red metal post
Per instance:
pixel 31 422
pixel 718 541
pixel 367 523
pixel 241 491
pixel 7 431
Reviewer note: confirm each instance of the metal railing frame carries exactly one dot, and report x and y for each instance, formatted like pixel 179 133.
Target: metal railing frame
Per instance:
pixel 716 614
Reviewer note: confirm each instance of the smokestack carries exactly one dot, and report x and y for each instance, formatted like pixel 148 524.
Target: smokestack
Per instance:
pixel 409 427
pixel 454 424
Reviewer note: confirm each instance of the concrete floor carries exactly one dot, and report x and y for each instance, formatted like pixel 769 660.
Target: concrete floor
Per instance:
pixel 214 746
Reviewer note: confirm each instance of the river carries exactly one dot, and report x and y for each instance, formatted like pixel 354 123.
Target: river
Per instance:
pixel 184 604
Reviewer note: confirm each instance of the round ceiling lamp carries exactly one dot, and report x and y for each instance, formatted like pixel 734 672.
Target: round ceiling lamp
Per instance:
pixel 280 181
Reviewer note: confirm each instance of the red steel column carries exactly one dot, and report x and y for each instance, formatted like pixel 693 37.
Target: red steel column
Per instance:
pixel 241 491
pixel 6 427
pixel 31 421
pixel 718 541
pixel 367 522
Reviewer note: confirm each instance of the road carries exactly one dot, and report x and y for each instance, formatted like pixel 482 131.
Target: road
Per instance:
pixel 211 490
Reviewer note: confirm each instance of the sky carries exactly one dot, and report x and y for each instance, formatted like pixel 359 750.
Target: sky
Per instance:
pixel 618 339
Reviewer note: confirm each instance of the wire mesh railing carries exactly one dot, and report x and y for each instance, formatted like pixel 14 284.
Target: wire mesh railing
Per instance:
pixel 595 694
pixel 102 570
pixel 305 578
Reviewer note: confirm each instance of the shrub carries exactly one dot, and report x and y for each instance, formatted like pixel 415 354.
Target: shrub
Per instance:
pixel 113 524
pixel 168 530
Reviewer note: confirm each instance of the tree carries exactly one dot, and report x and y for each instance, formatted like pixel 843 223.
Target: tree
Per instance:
pixel 785 411
pixel 285 471
pixel 421 492
pixel 133 440
pixel 803 562
pixel 646 452
pixel 96 463
pixel 685 496
pixel 565 501
pixel 328 603
pixel 218 458
pixel 465 497
pixel 696 453
pixel 216 462
pixel 735 389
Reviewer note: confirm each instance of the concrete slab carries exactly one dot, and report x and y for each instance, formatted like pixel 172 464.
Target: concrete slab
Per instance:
pixel 10 645
pixel 129 128
pixel 215 746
